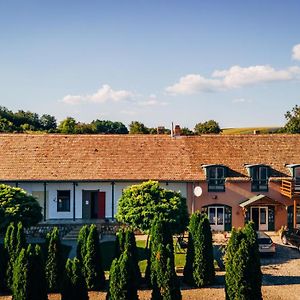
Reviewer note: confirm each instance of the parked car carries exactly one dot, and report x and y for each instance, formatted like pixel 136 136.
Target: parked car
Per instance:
pixel 265 243
pixel 291 236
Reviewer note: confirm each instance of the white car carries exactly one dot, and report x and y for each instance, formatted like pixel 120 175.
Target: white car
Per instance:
pixel 265 243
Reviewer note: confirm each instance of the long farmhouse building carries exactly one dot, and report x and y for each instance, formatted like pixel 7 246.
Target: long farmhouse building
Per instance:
pixel 242 177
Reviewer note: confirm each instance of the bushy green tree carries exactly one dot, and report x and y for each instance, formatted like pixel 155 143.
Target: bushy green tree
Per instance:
pixel 93 271
pixel 242 265
pixel 81 242
pixel 20 277
pixel 54 262
pixel 207 127
pixel 36 281
pixel 67 126
pixel 48 123
pixel 293 120
pixel 164 281
pixel 109 127
pixel 140 203
pixel 16 205
pixel 74 286
pixel 136 127
pixel 199 268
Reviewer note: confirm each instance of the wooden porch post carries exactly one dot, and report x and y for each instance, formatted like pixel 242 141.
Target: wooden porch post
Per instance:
pixel 295 213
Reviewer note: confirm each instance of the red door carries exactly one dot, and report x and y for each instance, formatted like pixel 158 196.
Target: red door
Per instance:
pixel 101 205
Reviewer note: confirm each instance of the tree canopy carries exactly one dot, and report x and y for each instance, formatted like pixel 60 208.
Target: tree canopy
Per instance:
pixel 210 126
pixel 140 203
pixel 16 205
pixel 293 120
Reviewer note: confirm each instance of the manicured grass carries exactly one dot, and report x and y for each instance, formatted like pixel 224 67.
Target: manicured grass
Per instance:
pixel 108 250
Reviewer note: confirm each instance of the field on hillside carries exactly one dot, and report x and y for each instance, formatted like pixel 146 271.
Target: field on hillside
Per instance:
pixel 249 130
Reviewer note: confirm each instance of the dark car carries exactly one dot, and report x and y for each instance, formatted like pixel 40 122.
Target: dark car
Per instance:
pixel 291 236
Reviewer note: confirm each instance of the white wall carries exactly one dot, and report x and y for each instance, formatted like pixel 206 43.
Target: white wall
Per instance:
pixel 106 187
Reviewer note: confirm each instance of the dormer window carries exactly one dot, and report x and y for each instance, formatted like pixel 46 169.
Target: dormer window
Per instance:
pixel 259 176
pixel 215 175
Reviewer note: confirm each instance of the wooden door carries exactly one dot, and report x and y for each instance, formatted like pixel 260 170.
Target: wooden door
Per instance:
pixel 101 205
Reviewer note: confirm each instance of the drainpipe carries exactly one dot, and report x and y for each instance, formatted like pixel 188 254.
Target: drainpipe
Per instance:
pixel 74 188
pixel 17 184
pixel 45 200
pixel 112 200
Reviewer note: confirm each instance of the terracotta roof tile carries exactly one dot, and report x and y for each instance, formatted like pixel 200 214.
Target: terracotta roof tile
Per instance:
pixel 140 157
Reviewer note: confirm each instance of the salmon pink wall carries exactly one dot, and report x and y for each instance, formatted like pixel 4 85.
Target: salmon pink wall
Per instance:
pixel 235 193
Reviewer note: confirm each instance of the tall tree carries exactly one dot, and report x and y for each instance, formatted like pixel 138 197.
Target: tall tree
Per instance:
pixel 210 126
pixel 93 271
pixel 74 286
pixel 293 120
pixel 81 242
pixel 164 281
pixel 20 277
pixel 36 285
pixel 48 122
pixel 67 126
pixel 54 261
pixel 136 127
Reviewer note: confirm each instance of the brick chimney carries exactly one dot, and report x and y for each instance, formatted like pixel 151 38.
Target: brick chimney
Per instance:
pixel 177 130
pixel 160 130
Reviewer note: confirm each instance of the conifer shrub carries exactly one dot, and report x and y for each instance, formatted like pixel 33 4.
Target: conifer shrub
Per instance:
pixel 54 262
pixel 199 268
pixel 125 240
pixel 164 281
pixel 20 277
pixel 74 286
pixel 37 286
pixel 81 242
pixel 14 242
pixel 3 264
pixel 122 284
pixel 242 265
pixel 92 266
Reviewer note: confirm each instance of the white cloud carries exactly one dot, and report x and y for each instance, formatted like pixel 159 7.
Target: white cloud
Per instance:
pixel 152 101
pixel 234 77
pixel 104 94
pixel 296 52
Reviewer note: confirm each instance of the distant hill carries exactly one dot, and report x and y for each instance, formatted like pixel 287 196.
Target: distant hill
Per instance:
pixel 250 130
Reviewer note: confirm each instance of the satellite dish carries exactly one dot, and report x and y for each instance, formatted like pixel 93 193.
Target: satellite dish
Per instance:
pixel 198 191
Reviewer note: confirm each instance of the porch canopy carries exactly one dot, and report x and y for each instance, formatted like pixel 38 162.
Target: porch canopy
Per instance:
pixel 259 200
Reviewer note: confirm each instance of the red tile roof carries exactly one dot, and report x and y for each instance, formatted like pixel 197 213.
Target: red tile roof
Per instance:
pixel 140 157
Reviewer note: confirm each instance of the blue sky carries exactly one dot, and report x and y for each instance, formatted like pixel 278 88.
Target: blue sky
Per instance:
pixel 155 61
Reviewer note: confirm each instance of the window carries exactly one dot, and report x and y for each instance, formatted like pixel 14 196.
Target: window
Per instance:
pixel 216 179
pixel 259 176
pixel 63 200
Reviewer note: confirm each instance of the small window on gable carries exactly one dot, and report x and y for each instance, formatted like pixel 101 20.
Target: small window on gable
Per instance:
pixel 259 177
pixel 216 175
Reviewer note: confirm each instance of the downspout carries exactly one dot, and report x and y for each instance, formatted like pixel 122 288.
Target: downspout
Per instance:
pixel 45 200
pixel 74 187
pixel 112 201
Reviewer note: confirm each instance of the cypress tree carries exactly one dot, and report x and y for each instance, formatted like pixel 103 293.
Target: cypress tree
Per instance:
pixel 37 286
pixel 253 270
pixel 20 277
pixel 199 269
pixel 242 265
pixel 115 291
pixel 14 242
pixel 93 271
pixel 122 285
pixel 74 286
pixel 164 281
pixel 54 264
pixel 3 264
pixel 81 242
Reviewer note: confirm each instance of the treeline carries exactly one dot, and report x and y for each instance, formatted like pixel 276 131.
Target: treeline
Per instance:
pixel 27 121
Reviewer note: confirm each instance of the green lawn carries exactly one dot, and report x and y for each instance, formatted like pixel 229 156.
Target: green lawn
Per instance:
pixel 108 249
